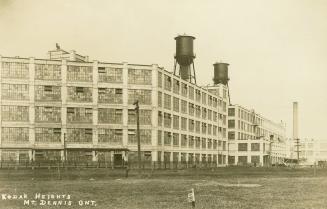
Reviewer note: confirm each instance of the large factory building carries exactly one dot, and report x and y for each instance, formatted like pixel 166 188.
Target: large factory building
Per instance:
pixel 68 108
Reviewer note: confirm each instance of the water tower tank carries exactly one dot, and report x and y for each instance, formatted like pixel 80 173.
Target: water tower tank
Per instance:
pixel 184 50
pixel 220 73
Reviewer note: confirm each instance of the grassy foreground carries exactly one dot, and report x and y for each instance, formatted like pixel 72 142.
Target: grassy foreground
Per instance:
pixel 221 188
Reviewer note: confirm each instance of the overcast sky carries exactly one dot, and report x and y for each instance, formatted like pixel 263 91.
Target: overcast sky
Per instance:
pixel 276 49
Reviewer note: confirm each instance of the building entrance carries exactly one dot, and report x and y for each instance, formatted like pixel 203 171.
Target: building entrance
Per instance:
pixel 118 160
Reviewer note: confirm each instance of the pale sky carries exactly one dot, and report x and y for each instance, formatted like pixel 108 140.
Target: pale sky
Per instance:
pixel 276 49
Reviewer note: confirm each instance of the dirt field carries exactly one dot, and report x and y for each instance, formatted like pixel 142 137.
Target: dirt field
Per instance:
pixel 221 188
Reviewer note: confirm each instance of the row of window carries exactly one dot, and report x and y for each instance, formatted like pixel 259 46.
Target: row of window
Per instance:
pixel 189 108
pixel 191 157
pixel 188 141
pixel 176 122
pixel 190 92
pixel 249 128
pixel 87 155
pixel 240 136
pixel 17 70
pixel 74 115
pixel 243 160
pixel 244 147
pixel 75 135
pixel 75 94
pixel 245 115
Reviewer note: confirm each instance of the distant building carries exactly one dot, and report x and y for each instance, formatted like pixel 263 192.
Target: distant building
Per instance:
pixel 254 139
pixel 311 151
pixel 68 107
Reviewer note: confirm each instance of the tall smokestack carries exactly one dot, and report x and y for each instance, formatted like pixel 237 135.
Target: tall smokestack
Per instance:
pixel 295 121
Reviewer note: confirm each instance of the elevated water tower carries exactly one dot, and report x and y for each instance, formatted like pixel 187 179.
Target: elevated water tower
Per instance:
pixel 184 58
pixel 220 73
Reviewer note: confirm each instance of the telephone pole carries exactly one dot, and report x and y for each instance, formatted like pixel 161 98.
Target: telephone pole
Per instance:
pixel 270 149
pixel 136 103
pixel 297 144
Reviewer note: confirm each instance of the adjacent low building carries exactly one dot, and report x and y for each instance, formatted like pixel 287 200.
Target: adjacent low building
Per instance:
pixel 254 139
pixel 311 151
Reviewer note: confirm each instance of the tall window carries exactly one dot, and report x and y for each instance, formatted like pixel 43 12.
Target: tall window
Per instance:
pixel 159 99
pixel 209 100
pixel 191 142
pixel 184 106
pixel 159 79
pixel 191 92
pixel 175 104
pixel 191 109
pixel 204 143
pixel 191 125
pixel 167 82
pixel 197 126
pixel 176 86
pixel 214 130
pixel 183 124
pixel 197 142
pixel 204 128
pixel 176 122
pixel 197 111
pixel 197 95
pixel 159 137
pixel 175 139
pixel 204 98
pixel 204 113
pixel 167 120
pixel 183 140
pixel 167 138
pixel 159 118
pixel 167 101
pixel 209 114
pixel 184 89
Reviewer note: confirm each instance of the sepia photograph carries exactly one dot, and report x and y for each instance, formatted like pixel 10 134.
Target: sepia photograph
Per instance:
pixel 163 104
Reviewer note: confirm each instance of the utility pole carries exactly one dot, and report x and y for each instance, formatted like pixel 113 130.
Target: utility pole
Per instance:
pixel 297 144
pixel 270 149
pixel 65 153
pixel 136 103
